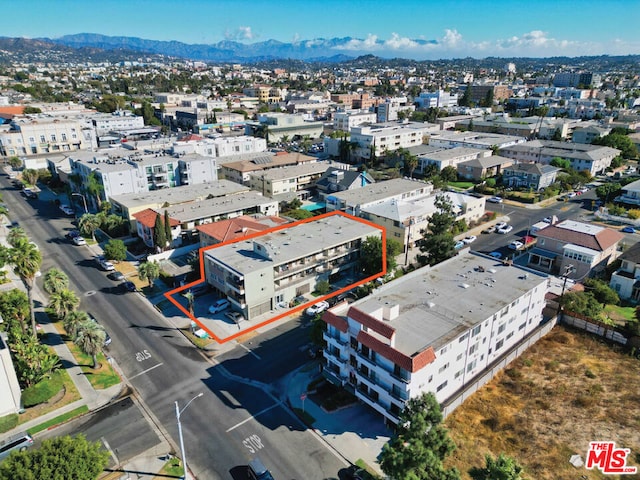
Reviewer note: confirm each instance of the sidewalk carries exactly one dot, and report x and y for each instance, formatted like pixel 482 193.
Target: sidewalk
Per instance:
pixel 355 432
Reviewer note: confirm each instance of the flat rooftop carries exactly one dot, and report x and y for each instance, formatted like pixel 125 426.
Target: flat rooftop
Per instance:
pixel 292 243
pixel 437 304
pixel 179 195
pixel 381 190
pixel 213 207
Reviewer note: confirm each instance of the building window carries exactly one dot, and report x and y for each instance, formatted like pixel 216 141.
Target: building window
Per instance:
pixel 471 366
pixel 476 330
pixel 473 349
pixel 463 337
pixel 501 328
pixel 443 368
pixel 441 386
pixel 499 344
pixel 43 139
pixel 64 137
pixel 459 373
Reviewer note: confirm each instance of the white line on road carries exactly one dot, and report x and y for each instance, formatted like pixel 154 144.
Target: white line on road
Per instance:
pixel 106 445
pixel 254 416
pixel 145 371
pixel 250 351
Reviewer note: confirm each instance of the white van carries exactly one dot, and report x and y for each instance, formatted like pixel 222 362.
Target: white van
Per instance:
pixel 20 443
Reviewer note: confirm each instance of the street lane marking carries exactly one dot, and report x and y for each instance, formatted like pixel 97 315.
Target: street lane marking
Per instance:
pixel 250 351
pixel 145 371
pixel 254 416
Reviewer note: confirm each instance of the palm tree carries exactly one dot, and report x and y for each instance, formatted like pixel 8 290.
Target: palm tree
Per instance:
pixel 149 271
pixel 26 260
pixel 89 223
pixel 72 322
pixel 63 303
pixel 190 299
pixel 90 338
pixel 410 163
pixel 17 236
pixel 55 281
pixel 95 188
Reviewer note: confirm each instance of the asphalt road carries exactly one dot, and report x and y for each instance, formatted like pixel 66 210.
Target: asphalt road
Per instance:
pixel 235 419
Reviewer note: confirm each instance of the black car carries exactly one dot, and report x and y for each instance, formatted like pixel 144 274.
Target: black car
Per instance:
pixel 129 286
pixel 116 276
pixel 72 234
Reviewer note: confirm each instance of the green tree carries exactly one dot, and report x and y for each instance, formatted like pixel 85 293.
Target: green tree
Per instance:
pixel 59 458
pixel 73 321
pixel 323 287
pixel 95 188
pixel 299 214
pixel 410 164
pixel 560 163
pixel 621 142
pixel 149 271
pixel 90 337
pixel 190 301
pixel 371 255
pixel 420 444
pixel 602 292
pixel 33 361
pixel 63 302
pixel 115 249
pixel 30 176
pixel 465 100
pixel 88 224
pixel 26 260
pixel 55 281
pixel 438 243
pixel 14 307
pixel 608 191
pixel 449 174
pixel 500 468
pixel 15 163
pixel 159 234
pixel 583 303
pixel 167 228
pixel 17 236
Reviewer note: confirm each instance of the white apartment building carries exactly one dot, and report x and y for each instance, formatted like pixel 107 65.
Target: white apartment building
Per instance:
pixel 439 99
pixel 446 139
pixel 397 189
pixel 451 157
pixel 258 274
pixel 295 179
pixel 10 393
pixel 405 220
pixel 119 120
pixel 41 134
pixel 434 330
pixel 345 121
pixel 275 126
pixel 387 137
pixel 388 110
pixel 219 146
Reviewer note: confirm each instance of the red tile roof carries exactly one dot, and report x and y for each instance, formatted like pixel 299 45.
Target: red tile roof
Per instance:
pixel 147 217
pixel 234 228
pixel 410 364
pixel 338 322
pixel 370 322
pixel 12 110
pixel 192 137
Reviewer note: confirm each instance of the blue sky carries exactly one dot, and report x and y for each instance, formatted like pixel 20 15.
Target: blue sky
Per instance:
pixel 451 28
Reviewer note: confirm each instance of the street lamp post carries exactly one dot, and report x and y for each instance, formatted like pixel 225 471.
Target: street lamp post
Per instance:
pixel 184 455
pixel 84 200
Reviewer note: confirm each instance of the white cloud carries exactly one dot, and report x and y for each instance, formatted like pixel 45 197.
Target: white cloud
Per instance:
pixel 535 43
pixel 240 33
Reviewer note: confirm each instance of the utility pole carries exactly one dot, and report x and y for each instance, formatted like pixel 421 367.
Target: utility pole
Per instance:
pixel 568 270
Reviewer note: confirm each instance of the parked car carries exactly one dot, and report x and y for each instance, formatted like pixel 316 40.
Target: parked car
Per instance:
pixel 71 234
pixel 495 200
pixel 78 240
pixel 105 264
pixel 317 308
pixel 234 316
pixel 18 443
pixel 516 245
pixel 116 276
pixel 219 305
pixel 506 229
pixel 257 471
pixel 629 229
pixel 29 194
pixel 469 239
pixel 496 255
pixel 458 245
pixel 500 225
pixel 490 229
pixel 129 286
pixel 67 210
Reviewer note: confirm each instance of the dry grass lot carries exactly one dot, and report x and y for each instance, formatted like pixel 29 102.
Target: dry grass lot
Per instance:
pixel 567 390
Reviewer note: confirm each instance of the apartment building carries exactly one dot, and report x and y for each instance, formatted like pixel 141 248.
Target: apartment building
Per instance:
pixel 275 126
pixel 345 121
pixel 382 138
pixel 236 228
pixel 338 180
pixel 500 92
pixel 298 180
pixel 434 330
pixel 446 139
pixel 405 220
pixel 388 110
pixel 103 123
pixel 41 134
pixel 438 99
pixel 352 201
pixel 219 146
pixel 483 167
pixel 592 158
pixel 258 274
pixel 450 157
pixel 240 170
pixel 10 393
pixel 625 280
pixel 529 175
pixel 574 79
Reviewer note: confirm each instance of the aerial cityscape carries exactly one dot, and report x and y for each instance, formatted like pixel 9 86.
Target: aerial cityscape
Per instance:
pixel 319 241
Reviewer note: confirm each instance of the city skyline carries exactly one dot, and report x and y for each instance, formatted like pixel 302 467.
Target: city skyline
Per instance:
pixel 421 30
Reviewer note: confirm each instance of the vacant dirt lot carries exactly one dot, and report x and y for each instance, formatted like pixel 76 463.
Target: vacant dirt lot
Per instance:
pixel 567 390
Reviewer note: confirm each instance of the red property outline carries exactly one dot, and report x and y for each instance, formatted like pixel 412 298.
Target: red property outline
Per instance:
pixel 169 295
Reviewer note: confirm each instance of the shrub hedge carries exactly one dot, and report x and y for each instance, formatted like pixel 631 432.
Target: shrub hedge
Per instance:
pixel 41 391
